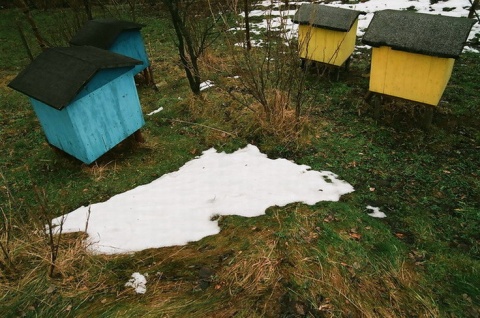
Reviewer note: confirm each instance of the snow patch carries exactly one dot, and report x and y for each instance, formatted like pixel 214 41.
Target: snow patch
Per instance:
pixel 155 111
pixel 178 207
pixel 138 282
pixel 206 84
pixel 376 212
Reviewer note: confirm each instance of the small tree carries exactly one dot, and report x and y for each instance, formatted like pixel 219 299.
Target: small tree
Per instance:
pixel 195 31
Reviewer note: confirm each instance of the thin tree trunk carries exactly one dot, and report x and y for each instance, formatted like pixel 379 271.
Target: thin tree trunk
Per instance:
pixel 472 11
pixel 88 9
pixel 26 11
pixel 190 67
pixel 247 24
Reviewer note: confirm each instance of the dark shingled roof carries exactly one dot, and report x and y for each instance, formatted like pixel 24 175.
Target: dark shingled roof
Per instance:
pixel 102 33
pixel 325 17
pixel 421 33
pixel 57 75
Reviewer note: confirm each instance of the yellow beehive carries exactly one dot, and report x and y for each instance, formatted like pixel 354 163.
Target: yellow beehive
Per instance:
pixel 326 34
pixel 413 53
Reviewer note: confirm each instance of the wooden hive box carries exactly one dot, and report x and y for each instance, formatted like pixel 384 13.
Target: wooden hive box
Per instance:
pixel 326 34
pixel 122 37
pixel 84 97
pixel 413 53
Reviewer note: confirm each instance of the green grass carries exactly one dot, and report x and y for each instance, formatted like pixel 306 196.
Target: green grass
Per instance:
pixel 330 259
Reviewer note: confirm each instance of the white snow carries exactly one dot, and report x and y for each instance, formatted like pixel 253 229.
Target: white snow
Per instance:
pixel 178 207
pixel 280 20
pixel 206 84
pixel 138 282
pixel 376 212
pixel 155 111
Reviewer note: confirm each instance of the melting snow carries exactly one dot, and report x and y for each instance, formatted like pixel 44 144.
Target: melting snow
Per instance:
pixel 206 85
pixel 376 212
pixel 178 207
pixel 155 111
pixel 138 282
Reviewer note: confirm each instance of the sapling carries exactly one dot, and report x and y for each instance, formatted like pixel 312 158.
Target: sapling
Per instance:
pixel 51 231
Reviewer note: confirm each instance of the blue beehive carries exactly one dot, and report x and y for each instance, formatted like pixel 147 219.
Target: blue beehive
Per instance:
pixel 84 97
pixel 117 36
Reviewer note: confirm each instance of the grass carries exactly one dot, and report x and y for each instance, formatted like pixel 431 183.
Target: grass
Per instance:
pixel 326 260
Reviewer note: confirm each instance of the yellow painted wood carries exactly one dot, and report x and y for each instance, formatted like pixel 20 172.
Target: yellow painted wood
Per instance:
pixel 416 77
pixel 326 46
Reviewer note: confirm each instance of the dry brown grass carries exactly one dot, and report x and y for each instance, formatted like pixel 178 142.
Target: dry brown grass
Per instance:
pixel 31 256
pixel 100 171
pixel 254 271
pixel 257 273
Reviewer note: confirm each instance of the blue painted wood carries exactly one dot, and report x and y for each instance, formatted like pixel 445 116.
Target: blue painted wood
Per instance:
pixel 59 129
pixel 130 43
pixel 101 116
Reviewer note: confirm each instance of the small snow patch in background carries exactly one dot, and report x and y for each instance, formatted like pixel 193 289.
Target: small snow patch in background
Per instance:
pixel 206 85
pixel 138 282
pixel 376 212
pixel 155 111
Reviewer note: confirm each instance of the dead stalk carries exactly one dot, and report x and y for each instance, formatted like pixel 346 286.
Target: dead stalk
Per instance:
pixel 204 126
pixel 46 218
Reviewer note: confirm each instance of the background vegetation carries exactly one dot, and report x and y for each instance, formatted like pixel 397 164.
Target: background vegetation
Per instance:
pixel 327 260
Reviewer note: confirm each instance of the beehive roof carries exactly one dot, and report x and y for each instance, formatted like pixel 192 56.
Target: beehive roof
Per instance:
pixel 421 33
pixel 326 17
pixel 57 75
pixel 102 33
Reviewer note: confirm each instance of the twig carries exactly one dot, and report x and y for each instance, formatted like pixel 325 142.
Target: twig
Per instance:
pixel 202 125
pixel 88 218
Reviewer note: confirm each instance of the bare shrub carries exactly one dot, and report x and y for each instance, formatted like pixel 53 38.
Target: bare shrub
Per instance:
pixel 195 30
pixel 271 85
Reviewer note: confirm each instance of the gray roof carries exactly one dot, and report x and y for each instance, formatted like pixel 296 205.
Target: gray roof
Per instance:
pixel 421 33
pixel 57 75
pixel 326 17
pixel 102 33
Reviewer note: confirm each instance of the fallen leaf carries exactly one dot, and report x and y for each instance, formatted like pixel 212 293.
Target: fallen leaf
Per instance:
pixel 51 289
pixel 356 236
pixel 325 307
pixel 329 218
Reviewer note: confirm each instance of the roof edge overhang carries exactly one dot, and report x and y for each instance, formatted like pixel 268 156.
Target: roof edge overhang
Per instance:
pixel 128 63
pixel 409 50
pixel 315 25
